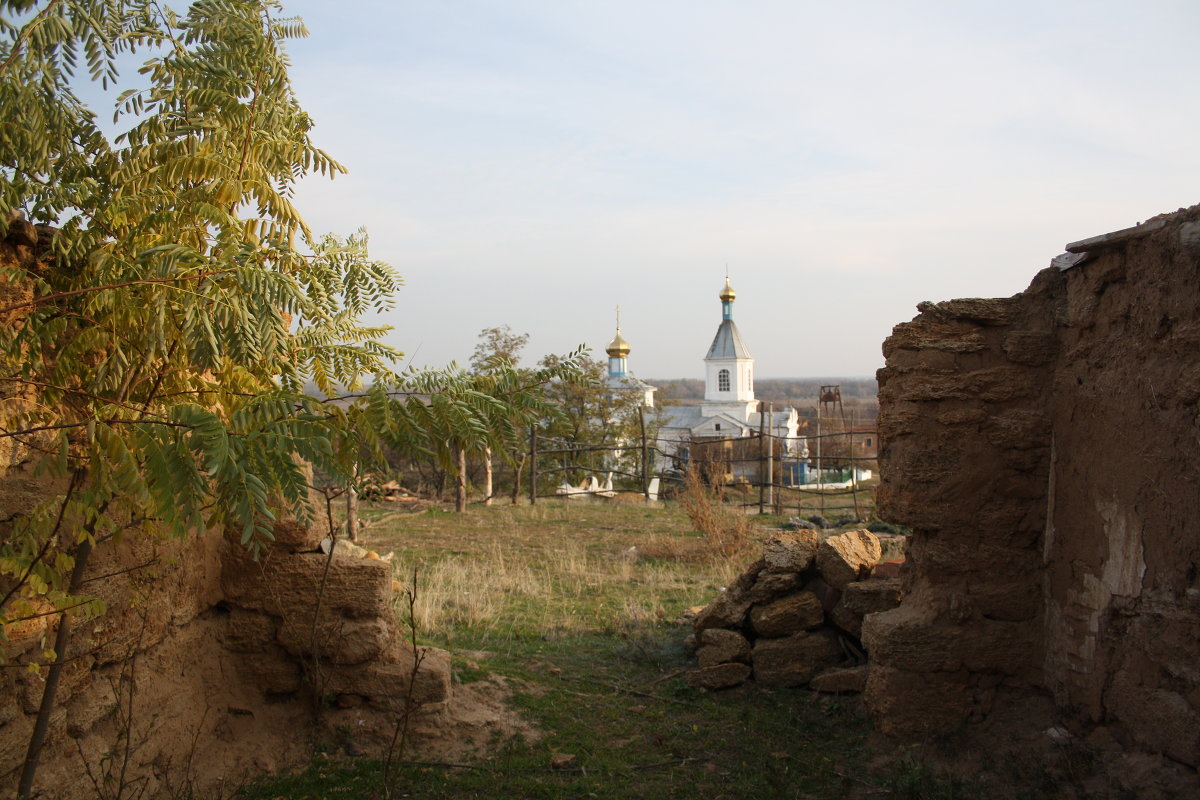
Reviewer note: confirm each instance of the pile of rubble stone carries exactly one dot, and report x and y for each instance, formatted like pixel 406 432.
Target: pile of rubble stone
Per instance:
pixel 794 618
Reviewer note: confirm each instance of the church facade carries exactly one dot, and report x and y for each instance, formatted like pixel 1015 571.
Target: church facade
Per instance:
pixel 729 411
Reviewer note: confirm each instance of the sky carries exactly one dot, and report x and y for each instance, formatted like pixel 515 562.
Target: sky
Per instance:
pixel 535 163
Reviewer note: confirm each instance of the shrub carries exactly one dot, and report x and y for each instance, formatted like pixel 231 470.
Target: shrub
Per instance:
pixel 726 532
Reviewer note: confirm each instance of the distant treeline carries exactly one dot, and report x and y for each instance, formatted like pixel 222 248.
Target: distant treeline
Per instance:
pixel 858 394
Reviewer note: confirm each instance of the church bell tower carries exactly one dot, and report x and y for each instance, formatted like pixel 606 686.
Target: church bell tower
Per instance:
pixel 729 367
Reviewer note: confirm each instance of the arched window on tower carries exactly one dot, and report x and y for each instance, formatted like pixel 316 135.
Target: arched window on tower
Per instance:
pixel 723 381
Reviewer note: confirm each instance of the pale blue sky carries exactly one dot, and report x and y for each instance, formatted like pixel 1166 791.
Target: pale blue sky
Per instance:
pixel 537 162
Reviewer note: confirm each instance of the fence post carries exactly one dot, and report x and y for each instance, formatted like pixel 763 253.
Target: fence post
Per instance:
pixel 533 465
pixel 762 468
pixel 853 470
pixel 820 474
pixel 770 458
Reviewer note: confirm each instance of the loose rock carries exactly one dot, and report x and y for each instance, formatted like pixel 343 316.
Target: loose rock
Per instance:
pixel 793 660
pixel 848 557
pixel 719 646
pixel 722 612
pixel 790 551
pixel 861 598
pixel 773 585
pixel 841 680
pixel 561 760
pixel 792 614
pixel 719 676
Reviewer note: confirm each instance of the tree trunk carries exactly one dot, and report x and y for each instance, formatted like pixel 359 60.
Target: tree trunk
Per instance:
pixel 460 494
pixel 352 514
pixel 50 691
pixel 487 476
pixel 516 489
pixel 532 465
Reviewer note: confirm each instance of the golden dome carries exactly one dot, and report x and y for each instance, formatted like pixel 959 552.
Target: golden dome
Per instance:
pixel 618 347
pixel 727 293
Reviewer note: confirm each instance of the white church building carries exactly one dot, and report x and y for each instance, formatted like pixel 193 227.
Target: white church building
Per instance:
pixel 729 409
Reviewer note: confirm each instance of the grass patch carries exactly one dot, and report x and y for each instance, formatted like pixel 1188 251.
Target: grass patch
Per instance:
pixel 579 604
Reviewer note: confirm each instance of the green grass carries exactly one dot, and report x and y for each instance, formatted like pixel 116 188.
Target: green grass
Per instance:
pixel 551 598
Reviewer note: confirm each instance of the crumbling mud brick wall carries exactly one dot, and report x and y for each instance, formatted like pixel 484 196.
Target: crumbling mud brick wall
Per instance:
pixel 219 656
pixel 1045 450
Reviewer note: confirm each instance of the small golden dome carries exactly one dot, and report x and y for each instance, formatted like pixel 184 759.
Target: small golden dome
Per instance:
pixel 727 293
pixel 618 347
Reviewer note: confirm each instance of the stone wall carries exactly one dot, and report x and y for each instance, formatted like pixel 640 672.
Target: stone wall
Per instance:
pixel 213 666
pixel 1045 450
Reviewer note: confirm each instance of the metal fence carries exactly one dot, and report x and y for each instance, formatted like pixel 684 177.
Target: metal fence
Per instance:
pixel 758 464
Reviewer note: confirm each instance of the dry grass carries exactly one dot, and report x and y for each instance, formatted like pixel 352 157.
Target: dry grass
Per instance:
pixel 564 567
pixel 570 589
pixel 726 531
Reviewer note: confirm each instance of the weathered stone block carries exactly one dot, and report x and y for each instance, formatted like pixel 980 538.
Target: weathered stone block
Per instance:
pixel 1162 720
pixel 864 597
pixel 295 536
pixel 25 633
pixel 1018 429
pixel 337 639
pixel 903 638
pixel 899 419
pixel 291 534
pixel 924 335
pixel 828 595
pixel 272 671
pixel 790 551
pixel 963 415
pixel 385 684
pixel 249 631
pixel 740 587
pixel 76 677
pixel 288 585
pixel 794 660
pixel 21 232
pixel 722 612
pixel 772 585
pixel 720 646
pixel 932 387
pixel 985 311
pixel 903 703
pixel 1002 384
pixel 1033 348
pixel 848 557
pixel 843 680
pixel 888 569
pixel 719 676
pixel 787 615
pixel 14 741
